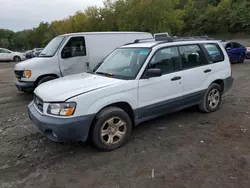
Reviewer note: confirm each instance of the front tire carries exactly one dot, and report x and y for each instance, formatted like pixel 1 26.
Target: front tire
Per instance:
pixel 112 129
pixel 45 79
pixel 212 99
pixel 16 59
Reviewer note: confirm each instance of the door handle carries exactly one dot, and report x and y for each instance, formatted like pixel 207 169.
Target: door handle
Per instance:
pixel 176 78
pixel 207 71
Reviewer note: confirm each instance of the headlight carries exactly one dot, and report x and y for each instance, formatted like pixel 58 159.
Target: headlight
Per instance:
pixel 62 109
pixel 27 73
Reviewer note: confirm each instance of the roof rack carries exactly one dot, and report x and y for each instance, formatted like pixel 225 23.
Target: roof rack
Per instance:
pixel 139 40
pixel 163 38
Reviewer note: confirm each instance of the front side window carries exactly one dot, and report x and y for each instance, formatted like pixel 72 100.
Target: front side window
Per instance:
pixel 191 56
pixel 229 46
pixel 75 47
pixel 214 52
pixel 123 63
pixel 52 47
pixel 4 51
pixel 166 59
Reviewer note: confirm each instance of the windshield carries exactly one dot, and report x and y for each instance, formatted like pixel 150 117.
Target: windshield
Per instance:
pixel 123 63
pixel 52 47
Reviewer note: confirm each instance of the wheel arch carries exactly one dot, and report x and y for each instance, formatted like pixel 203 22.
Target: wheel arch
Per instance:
pixel 122 105
pixel 45 75
pixel 221 83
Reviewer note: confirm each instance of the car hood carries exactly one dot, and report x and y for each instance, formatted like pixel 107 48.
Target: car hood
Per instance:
pixel 67 87
pixel 31 63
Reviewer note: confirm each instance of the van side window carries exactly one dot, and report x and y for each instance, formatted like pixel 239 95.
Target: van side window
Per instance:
pixel 75 47
pixel 166 59
pixel 191 56
pixel 214 52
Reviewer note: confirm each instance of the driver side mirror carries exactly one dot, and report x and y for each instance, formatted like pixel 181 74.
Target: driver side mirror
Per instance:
pixel 228 48
pixel 153 72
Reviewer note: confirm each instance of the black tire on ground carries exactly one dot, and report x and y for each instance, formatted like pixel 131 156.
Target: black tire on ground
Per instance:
pixel 100 123
pixel 242 58
pixel 205 105
pixel 16 59
pixel 45 79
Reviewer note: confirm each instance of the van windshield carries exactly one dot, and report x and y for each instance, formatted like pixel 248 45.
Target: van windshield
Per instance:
pixel 52 47
pixel 123 63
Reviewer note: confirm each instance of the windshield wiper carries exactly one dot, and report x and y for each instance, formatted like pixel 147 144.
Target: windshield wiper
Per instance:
pixel 105 74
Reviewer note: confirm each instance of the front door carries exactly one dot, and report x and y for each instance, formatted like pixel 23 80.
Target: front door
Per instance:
pixel 73 56
pixel 159 95
pixel 2 55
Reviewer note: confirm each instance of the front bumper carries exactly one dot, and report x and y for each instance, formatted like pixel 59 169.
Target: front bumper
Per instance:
pixel 228 83
pixel 61 129
pixel 25 86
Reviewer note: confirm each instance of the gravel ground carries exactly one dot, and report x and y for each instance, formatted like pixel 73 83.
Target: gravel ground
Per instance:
pixel 187 149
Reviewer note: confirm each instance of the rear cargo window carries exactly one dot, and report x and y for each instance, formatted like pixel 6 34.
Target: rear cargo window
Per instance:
pixel 214 52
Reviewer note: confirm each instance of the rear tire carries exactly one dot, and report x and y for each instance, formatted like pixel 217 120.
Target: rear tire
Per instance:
pixel 212 99
pixel 45 79
pixel 242 58
pixel 16 59
pixel 112 129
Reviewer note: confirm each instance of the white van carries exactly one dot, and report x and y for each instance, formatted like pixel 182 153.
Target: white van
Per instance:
pixel 71 54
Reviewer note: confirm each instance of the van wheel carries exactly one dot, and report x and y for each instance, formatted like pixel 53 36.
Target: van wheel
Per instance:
pixel 112 129
pixel 212 99
pixel 45 79
pixel 16 59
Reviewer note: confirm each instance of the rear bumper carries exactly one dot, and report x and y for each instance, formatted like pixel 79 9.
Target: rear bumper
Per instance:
pixel 61 129
pixel 25 86
pixel 228 83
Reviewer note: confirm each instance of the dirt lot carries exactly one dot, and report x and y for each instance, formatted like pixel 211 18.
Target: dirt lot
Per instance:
pixel 187 149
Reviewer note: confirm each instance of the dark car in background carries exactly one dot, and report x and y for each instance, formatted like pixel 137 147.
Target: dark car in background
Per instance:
pixel 235 51
pixel 28 54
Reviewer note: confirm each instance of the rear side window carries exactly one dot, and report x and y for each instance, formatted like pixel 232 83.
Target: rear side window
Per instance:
pixel 214 52
pixel 191 56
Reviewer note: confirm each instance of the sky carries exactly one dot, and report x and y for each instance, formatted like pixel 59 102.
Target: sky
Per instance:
pixel 17 15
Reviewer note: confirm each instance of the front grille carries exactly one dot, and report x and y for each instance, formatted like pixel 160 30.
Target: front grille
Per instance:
pixel 18 74
pixel 39 103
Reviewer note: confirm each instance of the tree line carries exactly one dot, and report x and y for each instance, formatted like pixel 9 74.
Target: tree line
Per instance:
pixel 177 17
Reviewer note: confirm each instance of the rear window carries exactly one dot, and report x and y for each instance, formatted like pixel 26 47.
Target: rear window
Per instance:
pixel 214 52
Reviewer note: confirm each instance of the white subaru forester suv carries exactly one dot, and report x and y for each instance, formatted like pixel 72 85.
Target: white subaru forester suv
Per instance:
pixel 135 83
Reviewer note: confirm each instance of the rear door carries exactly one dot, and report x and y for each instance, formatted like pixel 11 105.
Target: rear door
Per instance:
pixel 196 69
pixel 73 56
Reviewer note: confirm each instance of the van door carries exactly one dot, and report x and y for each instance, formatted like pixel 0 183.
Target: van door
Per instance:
pixel 73 56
